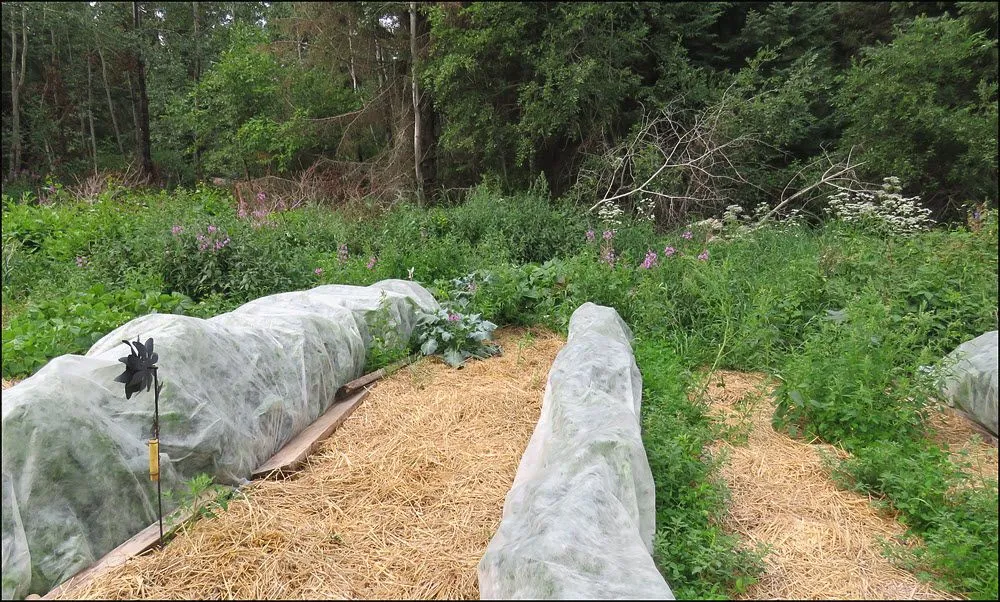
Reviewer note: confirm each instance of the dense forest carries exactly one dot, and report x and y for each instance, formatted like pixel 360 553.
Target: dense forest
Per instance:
pixel 672 108
pixel 806 191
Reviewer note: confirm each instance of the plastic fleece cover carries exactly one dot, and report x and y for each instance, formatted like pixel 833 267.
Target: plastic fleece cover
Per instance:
pixel 578 521
pixel 236 388
pixel 971 383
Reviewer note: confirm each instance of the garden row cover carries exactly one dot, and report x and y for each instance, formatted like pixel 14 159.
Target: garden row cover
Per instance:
pixel 971 383
pixel 236 388
pixel 578 521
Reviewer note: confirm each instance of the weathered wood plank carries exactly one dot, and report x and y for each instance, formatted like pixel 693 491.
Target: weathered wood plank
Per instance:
pixel 294 453
pixel 363 381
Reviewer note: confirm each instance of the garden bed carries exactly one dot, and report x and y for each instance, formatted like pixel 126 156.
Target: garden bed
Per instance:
pixel 824 542
pixel 400 503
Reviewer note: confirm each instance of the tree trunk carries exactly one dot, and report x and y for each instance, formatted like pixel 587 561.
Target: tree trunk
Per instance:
pixel 350 47
pixel 140 103
pixel 415 88
pixel 107 93
pixel 16 85
pixel 197 80
pixel 90 110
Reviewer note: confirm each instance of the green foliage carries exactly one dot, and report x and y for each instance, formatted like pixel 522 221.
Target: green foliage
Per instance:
pixel 74 322
pixel 929 117
pixel 200 497
pixel 386 345
pixel 852 380
pixel 957 524
pixel 696 556
pixel 455 337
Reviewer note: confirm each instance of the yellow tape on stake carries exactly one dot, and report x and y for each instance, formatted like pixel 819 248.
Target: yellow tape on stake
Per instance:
pixel 154 459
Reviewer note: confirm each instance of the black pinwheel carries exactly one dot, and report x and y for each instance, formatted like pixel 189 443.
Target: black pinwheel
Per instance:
pixel 140 367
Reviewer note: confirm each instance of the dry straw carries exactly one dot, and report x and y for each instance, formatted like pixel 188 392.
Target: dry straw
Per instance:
pixel 825 543
pixel 399 503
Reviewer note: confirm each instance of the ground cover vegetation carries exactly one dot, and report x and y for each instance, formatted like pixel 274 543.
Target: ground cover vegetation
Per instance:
pixel 803 189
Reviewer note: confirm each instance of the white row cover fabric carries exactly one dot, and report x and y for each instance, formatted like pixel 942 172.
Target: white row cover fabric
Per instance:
pixel 236 388
pixel 971 379
pixel 578 521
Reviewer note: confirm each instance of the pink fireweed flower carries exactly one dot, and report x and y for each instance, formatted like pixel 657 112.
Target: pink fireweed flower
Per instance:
pixel 668 251
pixel 649 261
pixel 609 234
pixel 453 317
pixel 261 196
pixel 608 256
pixel 371 262
pixel 703 255
pixel 176 230
pixel 212 229
pixel 342 253
pixel 318 271
pixel 687 235
pixel 590 235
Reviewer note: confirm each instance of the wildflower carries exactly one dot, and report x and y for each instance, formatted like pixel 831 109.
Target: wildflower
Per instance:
pixel 703 255
pixel 212 229
pixel 668 251
pixel 221 243
pixel 318 271
pixel 342 253
pixel 371 262
pixel 608 256
pixel 649 261
pixel 176 230
pixel 687 235
pixel 590 235
pixel 261 196
pixel 609 234
pixel 81 262
pixel 409 274
pixel 453 317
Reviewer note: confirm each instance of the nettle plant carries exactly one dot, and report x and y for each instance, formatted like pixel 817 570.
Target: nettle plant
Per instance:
pixel 884 211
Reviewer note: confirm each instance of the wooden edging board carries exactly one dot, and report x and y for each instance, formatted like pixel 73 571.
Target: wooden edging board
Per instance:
pixel 288 458
pixel 295 452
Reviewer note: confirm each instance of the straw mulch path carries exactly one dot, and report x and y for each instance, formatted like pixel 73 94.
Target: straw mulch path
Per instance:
pixel 824 542
pixel 965 444
pixel 399 503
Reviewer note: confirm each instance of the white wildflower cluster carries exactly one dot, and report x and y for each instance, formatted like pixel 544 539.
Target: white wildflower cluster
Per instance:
pixel 886 211
pixel 645 209
pixel 736 222
pixel 610 213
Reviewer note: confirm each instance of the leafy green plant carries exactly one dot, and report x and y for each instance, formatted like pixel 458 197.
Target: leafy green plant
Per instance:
pixel 199 497
pixel 387 345
pixel 455 337
pixel 74 322
pixel 692 551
